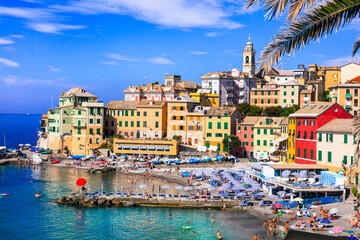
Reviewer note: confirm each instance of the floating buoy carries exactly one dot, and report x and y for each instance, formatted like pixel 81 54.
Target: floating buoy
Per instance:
pixel 76 190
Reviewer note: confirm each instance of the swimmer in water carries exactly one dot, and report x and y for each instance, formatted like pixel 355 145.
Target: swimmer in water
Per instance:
pixel 38 195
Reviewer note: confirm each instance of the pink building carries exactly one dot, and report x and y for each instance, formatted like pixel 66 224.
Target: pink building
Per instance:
pixel 245 132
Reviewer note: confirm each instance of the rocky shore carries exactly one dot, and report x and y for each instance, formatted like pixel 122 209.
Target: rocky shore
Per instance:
pixel 83 200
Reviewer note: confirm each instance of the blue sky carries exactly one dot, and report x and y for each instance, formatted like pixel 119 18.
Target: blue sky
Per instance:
pixel 49 46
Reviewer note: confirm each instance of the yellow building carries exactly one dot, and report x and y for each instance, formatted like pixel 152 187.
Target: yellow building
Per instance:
pixel 219 123
pixel 331 75
pixel 132 119
pixel 146 147
pixel 206 98
pixel 264 133
pixel 347 96
pixel 291 140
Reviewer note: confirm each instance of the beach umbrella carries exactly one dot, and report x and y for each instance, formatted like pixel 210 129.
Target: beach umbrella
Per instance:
pixel 325 221
pixel 347 232
pixel 278 205
pixel 290 195
pixel 211 188
pixel 199 187
pixel 294 174
pixel 337 229
pixel 165 186
pixel 81 182
pixel 143 186
pixel 28 145
pixel 298 199
pixel 333 211
pixel 21 145
pixel 270 186
pixel 241 194
pixel 280 192
pixel 286 173
pixel 179 187
pixel 188 188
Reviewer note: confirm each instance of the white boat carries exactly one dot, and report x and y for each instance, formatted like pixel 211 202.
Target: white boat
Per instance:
pixel 37 159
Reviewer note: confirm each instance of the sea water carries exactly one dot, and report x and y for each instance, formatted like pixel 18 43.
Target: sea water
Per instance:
pixel 23 216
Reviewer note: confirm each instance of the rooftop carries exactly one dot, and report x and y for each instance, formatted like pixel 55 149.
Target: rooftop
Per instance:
pixel 338 125
pixel 250 120
pixel 189 84
pixel 150 104
pixel 313 109
pixel 220 111
pixel 291 83
pixel 121 105
pixel 78 92
pixel 274 121
pixel 346 85
pixel 183 98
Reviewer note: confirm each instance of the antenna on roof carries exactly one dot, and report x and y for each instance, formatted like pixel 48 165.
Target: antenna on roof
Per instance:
pixel 144 80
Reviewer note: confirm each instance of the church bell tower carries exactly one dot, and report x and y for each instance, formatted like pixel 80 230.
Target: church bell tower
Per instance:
pixel 249 59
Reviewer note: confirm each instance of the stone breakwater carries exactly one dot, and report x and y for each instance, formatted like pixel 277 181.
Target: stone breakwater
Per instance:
pixel 83 200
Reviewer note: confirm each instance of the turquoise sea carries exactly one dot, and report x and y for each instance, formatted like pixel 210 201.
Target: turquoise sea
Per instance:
pixel 22 216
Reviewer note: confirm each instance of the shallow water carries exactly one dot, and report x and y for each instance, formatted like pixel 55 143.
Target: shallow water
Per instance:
pixel 25 217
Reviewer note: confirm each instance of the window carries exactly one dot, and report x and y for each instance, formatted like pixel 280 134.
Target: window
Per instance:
pixel 320 137
pixel 181 117
pixel 352 160
pixel 181 108
pixel 347 91
pixel 345 160
pixel 320 155
pixel 269 100
pixel 252 135
pixel 198 128
pixel 156 114
pixel 284 93
pixel 210 125
pixel 126 123
pixel 255 101
pixel 262 92
pixel 79 131
pixel 265 142
pixel 174 108
pixel 269 93
pixel 271 131
pixel 219 125
pixel 239 127
pixel 245 135
pixel 331 137
pixel 226 125
pixel 98 131
pixel 258 131
pixel 90 141
pixel 137 123
pixel 91 131
pixel 298 135
pixel 311 135
pixel 126 113
pixel 329 156
pixel 98 121
pixel 292 93
pixel 91 121
pixel 132 124
pixel 276 93
pixel 265 131
pixel 145 114
pixel 275 101
pixel 138 114
pixel 255 92
pixel 245 127
pixel 284 101
pixel 258 143
pixel 304 152
pixel 132 113
pixel 356 92
pixel 345 139
pixel 292 100
pixel 312 154
pixel 156 124
pixel 144 124
pixel 120 123
pixel 267 121
pixel 79 112
pixel 298 151
pixel 218 135
pixel 262 100
pixel 174 118
pixel 252 128
pixel 356 103
pixel 208 134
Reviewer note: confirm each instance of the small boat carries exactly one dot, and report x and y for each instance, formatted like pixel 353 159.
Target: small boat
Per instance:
pixel 36 159
pixel 56 161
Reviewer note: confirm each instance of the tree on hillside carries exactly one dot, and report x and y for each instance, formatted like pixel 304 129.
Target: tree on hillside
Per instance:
pixel 255 111
pixel 233 143
pixel 273 111
pixel 307 20
pixel 289 110
pixel 325 97
pixel 244 108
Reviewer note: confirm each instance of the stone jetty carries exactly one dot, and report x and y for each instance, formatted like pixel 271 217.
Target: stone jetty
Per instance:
pixel 82 200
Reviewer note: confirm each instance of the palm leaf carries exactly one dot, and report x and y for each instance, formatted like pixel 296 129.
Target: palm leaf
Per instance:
pixel 312 25
pixel 272 7
pixel 356 46
pixel 297 6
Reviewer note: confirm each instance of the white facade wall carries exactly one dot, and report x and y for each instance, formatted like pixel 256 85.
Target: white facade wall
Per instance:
pixel 349 71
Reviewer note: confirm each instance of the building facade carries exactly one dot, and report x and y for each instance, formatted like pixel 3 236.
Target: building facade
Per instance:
pixel 347 96
pixel 264 133
pixel 290 93
pixel 267 96
pixel 245 132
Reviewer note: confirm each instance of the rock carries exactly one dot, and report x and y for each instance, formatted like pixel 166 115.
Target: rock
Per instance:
pixel 117 202
pixel 61 200
pixel 101 201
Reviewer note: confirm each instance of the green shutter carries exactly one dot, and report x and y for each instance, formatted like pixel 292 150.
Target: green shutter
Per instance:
pixel 265 143
pixel 312 154
pixel 226 125
pixel 245 135
pixel 352 160
pixel 258 131
pixel 304 152
pixel 345 138
pixel 345 160
pixel 137 123
pixel 329 156
pixel 219 125
pixel 210 125
pixel 156 124
pixel 320 155
pixel 98 131
pixel 320 137
pixel 298 152
pixel 120 123
pixel 126 124
pixel 258 142
pixel 132 124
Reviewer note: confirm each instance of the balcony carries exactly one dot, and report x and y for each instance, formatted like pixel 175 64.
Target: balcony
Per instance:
pixel 229 95
pixel 241 100
pixel 241 93
pixel 241 85
pixel 347 107
pixel 348 95
pixel 230 88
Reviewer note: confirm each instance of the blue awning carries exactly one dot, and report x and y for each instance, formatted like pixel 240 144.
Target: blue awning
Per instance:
pixel 160 148
pixel 143 147
pixel 134 147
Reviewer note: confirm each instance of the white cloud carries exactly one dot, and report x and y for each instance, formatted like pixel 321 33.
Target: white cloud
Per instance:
pixel 212 34
pixel 198 53
pixel 109 63
pixel 340 61
pixel 175 13
pixel 161 60
pixel 28 13
pixel 9 63
pixel 121 57
pixel 53 28
pixel 18 82
pixel 53 69
pixel 5 41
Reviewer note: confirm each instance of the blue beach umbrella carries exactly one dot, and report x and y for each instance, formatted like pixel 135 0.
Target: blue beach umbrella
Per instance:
pixel 325 221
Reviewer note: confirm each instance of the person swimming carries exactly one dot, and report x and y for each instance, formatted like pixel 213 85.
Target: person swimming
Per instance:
pixel 38 195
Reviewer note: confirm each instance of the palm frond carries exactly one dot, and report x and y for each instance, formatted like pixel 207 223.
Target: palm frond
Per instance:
pixel 356 46
pixel 312 25
pixel 272 7
pixel 296 7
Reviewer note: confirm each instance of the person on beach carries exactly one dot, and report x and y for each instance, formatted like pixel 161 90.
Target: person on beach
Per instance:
pixel 255 237
pixel 283 235
pixel 314 215
pixel 287 226
pixel 219 236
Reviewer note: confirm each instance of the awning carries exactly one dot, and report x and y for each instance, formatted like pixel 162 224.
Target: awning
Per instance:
pixel 167 148
pixel 134 147
pixel 213 148
pixel 278 140
pixel 272 150
pixel 143 147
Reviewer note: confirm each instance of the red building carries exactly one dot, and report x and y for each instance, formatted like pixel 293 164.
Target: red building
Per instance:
pixel 245 132
pixel 308 120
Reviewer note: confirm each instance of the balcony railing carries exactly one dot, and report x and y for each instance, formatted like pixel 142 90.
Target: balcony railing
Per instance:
pixel 348 95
